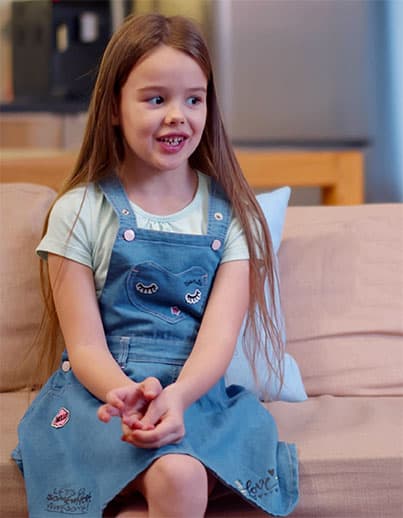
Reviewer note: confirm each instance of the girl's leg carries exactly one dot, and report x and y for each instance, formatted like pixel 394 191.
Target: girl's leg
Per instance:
pixel 175 486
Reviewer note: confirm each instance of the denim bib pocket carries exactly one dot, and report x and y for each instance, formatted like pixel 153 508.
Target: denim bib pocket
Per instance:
pixel 166 372
pixel 168 295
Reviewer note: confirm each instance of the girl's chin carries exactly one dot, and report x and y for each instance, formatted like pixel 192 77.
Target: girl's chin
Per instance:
pixel 170 162
pixel 161 166
pixel 157 162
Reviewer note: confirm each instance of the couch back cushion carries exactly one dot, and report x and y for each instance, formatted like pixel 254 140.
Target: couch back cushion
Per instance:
pixel 342 294
pixel 22 211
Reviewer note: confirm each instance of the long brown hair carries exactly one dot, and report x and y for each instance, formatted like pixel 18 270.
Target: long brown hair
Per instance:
pixel 102 150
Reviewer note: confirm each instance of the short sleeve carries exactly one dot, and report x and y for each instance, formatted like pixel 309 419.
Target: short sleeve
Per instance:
pixel 236 247
pixel 68 233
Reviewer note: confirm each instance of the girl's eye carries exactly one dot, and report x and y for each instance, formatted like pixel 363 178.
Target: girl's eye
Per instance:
pixel 194 100
pixel 156 100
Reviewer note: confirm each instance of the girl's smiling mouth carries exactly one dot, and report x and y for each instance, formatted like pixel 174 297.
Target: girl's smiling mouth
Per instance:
pixel 172 142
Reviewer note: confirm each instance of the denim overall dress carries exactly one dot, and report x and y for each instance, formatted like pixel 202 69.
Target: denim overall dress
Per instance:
pixel 152 303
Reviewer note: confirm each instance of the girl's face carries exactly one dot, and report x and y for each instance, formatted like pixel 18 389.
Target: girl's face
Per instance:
pixel 163 111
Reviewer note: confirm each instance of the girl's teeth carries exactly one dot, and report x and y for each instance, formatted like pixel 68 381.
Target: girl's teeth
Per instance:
pixel 173 141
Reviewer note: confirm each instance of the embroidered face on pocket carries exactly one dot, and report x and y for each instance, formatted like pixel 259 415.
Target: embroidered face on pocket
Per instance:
pixel 170 296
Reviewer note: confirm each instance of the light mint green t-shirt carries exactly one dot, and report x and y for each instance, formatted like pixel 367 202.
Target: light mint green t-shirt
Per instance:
pixel 83 226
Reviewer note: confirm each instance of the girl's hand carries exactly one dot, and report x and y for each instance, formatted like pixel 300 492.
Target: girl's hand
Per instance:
pixel 130 403
pixel 162 422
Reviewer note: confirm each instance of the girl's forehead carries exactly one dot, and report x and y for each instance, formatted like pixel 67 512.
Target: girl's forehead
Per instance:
pixel 167 64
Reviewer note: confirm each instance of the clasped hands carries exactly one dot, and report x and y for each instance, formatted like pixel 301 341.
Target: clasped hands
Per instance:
pixel 151 416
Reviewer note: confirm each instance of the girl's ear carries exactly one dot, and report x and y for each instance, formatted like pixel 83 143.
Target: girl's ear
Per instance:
pixel 115 115
pixel 115 119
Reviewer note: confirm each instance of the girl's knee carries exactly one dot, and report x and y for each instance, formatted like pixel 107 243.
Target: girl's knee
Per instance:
pixel 181 477
pixel 180 472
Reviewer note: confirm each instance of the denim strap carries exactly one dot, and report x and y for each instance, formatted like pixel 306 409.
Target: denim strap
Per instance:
pixel 114 192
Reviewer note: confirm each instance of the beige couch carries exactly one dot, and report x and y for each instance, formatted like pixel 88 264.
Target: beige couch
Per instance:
pixel 342 292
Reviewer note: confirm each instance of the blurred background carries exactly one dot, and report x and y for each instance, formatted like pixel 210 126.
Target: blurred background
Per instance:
pixel 310 74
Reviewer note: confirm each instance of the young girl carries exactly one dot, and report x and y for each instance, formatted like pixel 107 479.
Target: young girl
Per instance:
pixel 156 249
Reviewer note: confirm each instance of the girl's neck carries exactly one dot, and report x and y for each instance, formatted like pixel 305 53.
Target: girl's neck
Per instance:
pixel 161 193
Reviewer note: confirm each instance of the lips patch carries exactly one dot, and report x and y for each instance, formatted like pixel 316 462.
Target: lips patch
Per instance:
pixel 61 418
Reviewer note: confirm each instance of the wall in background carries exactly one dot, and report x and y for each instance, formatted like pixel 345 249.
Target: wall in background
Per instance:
pixel 192 8
pixel 397 74
pixel 5 52
pixel 384 158
pixel 384 161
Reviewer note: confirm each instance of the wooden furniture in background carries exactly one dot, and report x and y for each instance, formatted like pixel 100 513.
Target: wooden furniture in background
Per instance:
pixel 43 166
pixel 339 173
pixel 34 130
pixel 41 130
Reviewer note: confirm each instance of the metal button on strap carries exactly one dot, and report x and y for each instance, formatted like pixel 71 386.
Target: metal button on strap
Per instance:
pixel 66 366
pixel 218 216
pixel 125 212
pixel 216 244
pixel 129 235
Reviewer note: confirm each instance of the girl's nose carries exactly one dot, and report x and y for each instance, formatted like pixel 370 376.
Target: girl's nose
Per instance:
pixel 174 116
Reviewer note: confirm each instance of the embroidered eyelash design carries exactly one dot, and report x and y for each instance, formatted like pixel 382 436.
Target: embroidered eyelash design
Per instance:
pixel 193 298
pixel 147 290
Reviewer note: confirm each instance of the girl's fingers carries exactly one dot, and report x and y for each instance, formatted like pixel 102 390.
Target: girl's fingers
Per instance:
pixel 167 432
pixel 151 388
pixel 115 399
pixel 131 403
pixel 105 412
pixel 133 422
pixel 153 414
pixel 173 438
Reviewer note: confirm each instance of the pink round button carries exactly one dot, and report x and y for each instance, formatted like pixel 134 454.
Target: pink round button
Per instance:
pixel 129 235
pixel 216 244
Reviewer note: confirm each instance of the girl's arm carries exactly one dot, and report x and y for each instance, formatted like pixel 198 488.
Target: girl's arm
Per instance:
pixel 208 361
pixel 218 334
pixel 80 321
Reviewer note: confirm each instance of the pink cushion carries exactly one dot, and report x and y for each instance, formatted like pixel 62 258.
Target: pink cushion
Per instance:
pixel 350 450
pixel 351 454
pixel 342 294
pixel 21 304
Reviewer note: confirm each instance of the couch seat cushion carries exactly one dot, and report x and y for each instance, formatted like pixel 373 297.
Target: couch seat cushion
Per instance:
pixel 20 293
pixel 12 493
pixel 350 449
pixel 351 459
pixel 351 455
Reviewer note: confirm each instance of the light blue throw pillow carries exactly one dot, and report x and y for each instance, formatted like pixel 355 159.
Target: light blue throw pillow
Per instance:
pixel 274 205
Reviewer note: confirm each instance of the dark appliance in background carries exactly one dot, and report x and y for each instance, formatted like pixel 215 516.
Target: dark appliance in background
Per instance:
pixel 56 48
